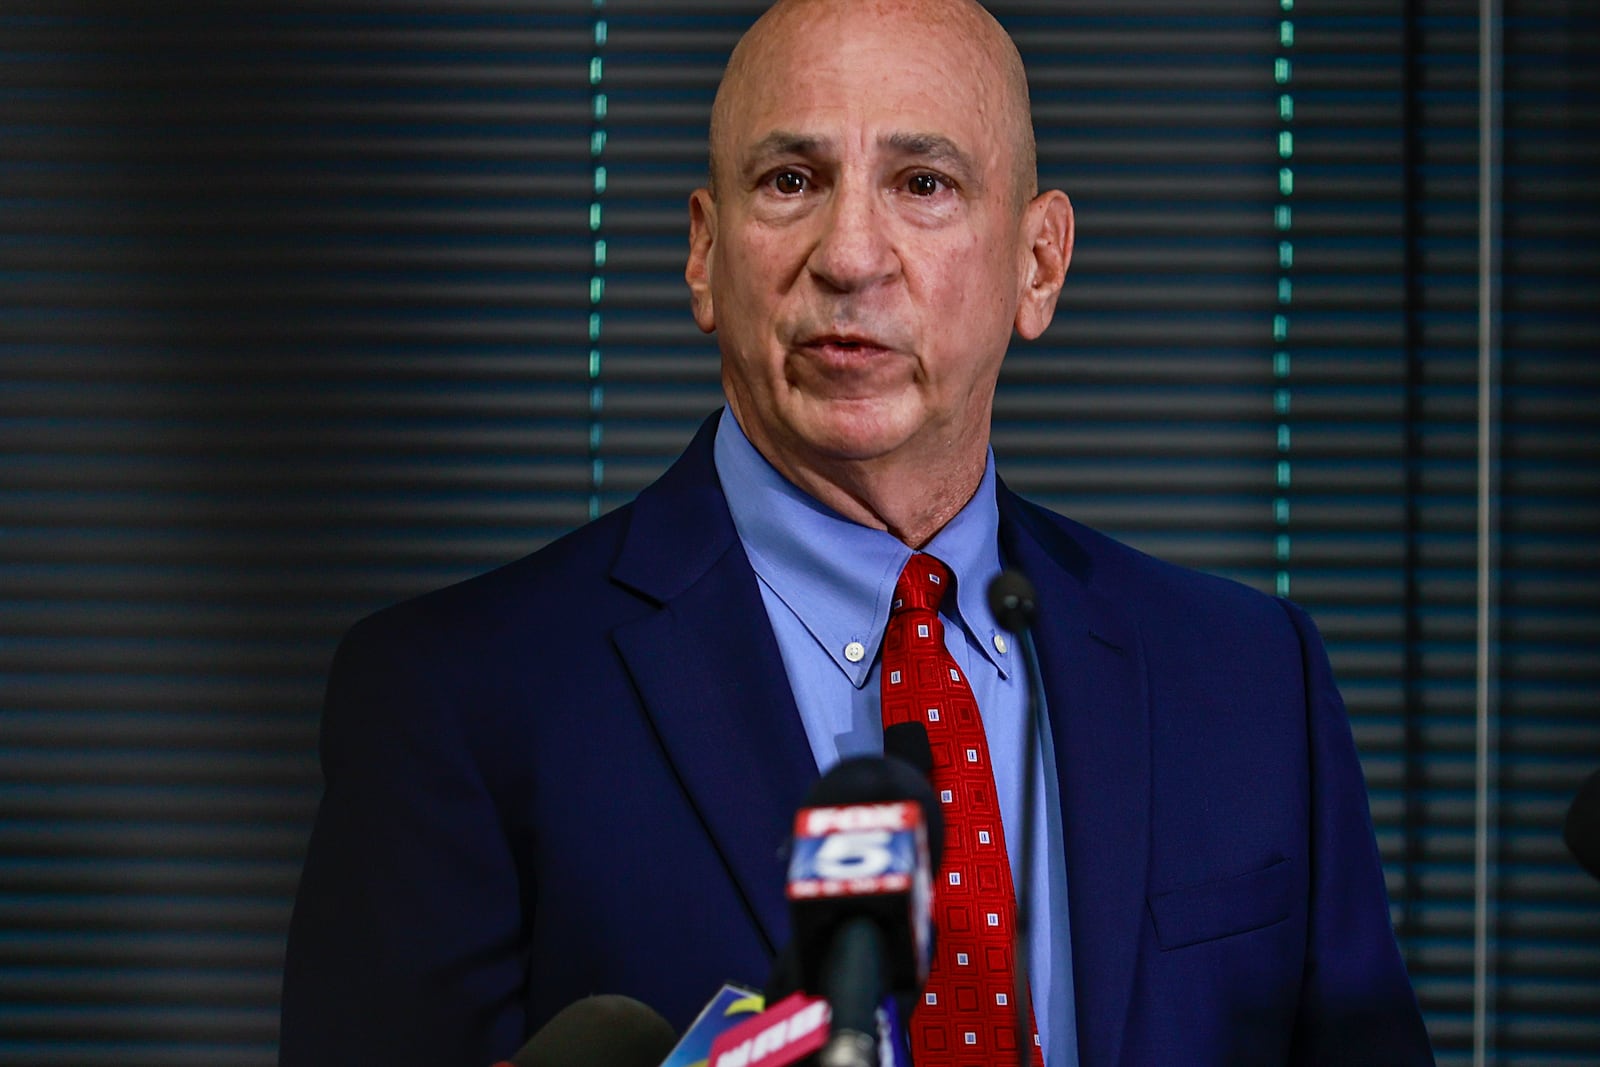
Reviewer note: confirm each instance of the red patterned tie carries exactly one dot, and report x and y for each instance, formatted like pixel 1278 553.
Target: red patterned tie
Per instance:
pixel 967 1015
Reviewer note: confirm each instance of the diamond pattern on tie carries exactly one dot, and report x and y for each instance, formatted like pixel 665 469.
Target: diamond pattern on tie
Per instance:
pixel 967 1018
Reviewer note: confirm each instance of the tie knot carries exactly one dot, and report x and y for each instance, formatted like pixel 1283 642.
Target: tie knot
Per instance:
pixel 922 584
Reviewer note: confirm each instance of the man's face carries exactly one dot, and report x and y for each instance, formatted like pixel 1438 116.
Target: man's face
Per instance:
pixel 864 254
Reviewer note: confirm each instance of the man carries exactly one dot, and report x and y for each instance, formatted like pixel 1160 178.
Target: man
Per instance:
pixel 575 774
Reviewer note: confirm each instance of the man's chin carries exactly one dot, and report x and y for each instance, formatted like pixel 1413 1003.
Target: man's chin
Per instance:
pixel 855 431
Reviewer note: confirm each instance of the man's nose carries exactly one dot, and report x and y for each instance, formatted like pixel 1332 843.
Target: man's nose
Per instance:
pixel 854 249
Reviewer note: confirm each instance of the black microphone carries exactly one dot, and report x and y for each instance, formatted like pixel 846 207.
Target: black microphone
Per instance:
pixel 611 1030
pixel 1012 602
pixel 1581 831
pixel 860 885
pixel 907 741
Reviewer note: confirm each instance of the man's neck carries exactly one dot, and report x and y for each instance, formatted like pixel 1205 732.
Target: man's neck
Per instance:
pixel 911 500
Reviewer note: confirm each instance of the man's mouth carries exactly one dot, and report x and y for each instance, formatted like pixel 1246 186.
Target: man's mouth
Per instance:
pixel 844 343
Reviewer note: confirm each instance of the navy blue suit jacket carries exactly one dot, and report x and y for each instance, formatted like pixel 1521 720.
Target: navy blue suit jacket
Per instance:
pixel 576 774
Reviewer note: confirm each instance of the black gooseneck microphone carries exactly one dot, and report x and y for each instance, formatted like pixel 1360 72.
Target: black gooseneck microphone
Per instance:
pixel 613 1030
pixel 1012 602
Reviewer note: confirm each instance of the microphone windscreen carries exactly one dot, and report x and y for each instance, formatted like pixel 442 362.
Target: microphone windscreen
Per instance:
pixel 865 780
pixel 863 850
pixel 612 1030
pixel 1011 601
pixel 1582 829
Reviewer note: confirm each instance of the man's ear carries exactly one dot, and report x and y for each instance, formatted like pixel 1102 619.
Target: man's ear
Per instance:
pixel 1047 249
pixel 697 272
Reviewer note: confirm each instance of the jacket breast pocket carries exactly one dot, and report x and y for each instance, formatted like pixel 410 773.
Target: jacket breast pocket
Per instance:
pixel 1189 915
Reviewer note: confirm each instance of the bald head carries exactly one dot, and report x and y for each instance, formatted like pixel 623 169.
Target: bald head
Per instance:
pixel 872 242
pixel 962 23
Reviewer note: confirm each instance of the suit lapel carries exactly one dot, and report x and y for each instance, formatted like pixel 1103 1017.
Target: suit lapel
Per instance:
pixel 1093 670
pixel 708 671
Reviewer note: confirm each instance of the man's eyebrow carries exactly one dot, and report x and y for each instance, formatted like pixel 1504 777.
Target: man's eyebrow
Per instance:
pixel 935 148
pixel 782 143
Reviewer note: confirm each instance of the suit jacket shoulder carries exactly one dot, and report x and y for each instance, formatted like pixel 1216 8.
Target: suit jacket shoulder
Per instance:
pixel 1226 894
pixel 572 774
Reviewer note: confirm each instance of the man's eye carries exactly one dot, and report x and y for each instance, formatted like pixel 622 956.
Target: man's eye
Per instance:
pixel 923 185
pixel 788 182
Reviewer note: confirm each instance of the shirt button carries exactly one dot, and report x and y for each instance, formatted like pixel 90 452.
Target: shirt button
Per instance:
pixel 1000 643
pixel 855 651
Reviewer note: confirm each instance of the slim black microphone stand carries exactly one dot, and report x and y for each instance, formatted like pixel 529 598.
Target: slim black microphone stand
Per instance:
pixel 1011 602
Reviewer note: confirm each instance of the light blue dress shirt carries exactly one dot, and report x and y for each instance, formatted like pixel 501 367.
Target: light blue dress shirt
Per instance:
pixel 827 583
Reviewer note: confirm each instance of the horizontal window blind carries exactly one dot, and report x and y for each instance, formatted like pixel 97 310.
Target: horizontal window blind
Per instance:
pixel 1385 462
pixel 1382 392
pixel 308 308
pixel 293 322
pixel 1547 923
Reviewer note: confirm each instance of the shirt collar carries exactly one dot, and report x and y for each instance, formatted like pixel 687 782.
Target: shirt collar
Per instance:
pixel 837 576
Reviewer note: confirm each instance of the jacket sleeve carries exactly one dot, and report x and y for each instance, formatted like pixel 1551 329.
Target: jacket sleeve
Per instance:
pixel 406 943
pixel 1357 1006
